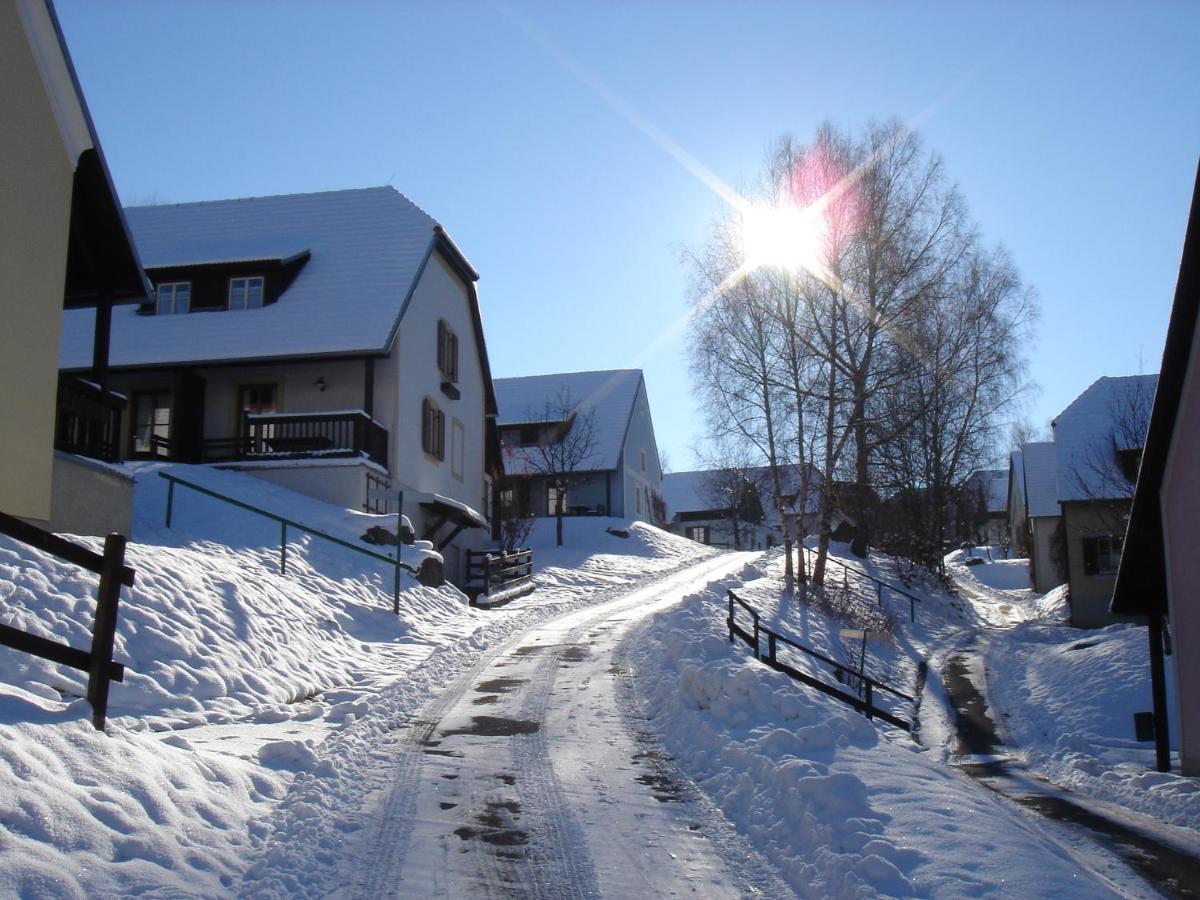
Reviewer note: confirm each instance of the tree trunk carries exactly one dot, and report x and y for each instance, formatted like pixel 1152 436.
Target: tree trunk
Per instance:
pixel 558 517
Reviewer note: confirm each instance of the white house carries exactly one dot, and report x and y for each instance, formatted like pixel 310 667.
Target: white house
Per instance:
pixel 1098 442
pixel 620 475
pixel 701 505
pixel 1034 512
pixel 329 342
pixel 63 245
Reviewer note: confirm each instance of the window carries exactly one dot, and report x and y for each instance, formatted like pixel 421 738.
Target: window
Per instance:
pixel 256 398
pixel 552 495
pixel 637 497
pixel 1102 554
pixel 173 297
pixel 643 455
pixel 433 429
pixel 458 438
pixel 697 533
pixel 246 293
pixel 447 351
pixel 151 423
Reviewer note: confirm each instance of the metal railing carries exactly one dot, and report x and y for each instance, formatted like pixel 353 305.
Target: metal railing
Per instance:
pixel 880 585
pixel 870 687
pixel 284 525
pixel 97 661
pixel 313 434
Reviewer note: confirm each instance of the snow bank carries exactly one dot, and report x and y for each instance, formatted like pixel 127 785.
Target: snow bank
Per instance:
pixel 841 808
pixel 254 703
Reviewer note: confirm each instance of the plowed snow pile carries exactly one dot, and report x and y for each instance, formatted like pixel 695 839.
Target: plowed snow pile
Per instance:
pixel 237 677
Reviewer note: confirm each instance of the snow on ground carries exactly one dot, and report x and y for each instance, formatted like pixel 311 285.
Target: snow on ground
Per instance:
pixel 842 808
pixel 1063 698
pixel 248 693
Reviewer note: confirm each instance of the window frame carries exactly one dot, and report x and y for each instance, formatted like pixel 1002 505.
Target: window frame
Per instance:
pixel 433 430
pixel 697 533
pixel 1102 555
pixel 174 303
pixel 447 351
pixel 246 280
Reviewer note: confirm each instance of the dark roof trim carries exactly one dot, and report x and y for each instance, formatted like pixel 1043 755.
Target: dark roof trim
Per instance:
pixel 274 261
pixel 1141 586
pixel 101 218
pixel 246 361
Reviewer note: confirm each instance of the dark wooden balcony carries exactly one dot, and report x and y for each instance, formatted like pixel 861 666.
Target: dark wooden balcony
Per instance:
pixel 88 420
pixel 302 436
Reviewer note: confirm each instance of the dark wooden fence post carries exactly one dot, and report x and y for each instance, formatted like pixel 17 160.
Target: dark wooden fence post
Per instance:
pixel 757 655
pixel 105 628
pixel 771 647
pixel 870 710
pixel 729 621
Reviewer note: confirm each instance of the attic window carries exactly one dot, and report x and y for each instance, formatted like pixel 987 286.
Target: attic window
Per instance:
pixel 1102 555
pixel 246 293
pixel 173 297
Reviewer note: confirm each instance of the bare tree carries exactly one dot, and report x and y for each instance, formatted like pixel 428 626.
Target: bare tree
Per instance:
pixel 566 439
pixel 731 488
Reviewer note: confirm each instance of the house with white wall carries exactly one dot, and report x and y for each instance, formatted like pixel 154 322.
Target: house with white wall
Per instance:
pixel 619 476
pixel 708 506
pixel 64 250
pixel 1098 441
pixel 329 342
pixel 1034 514
pixel 1159 575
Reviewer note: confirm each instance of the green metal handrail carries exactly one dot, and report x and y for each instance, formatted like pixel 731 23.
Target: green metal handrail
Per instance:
pixel 286 523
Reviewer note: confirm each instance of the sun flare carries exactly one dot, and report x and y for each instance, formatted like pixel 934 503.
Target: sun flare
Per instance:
pixel 784 237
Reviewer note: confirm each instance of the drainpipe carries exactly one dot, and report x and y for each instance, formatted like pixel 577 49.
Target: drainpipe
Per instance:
pixel 1158 689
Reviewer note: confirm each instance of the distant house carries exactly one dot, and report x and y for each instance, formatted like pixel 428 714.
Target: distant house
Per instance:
pixel 63 246
pixel 1098 443
pixel 620 476
pixel 985 500
pixel 1159 575
pixel 707 505
pixel 329 342
pixel 1034 513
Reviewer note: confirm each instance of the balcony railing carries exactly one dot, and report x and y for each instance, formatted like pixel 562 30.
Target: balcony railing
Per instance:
pixel 88 420
pixel 302 436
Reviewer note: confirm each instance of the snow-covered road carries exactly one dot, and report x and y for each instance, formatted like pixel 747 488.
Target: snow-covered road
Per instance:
pixel 531 776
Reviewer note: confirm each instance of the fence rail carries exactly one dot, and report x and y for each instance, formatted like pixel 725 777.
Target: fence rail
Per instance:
pixel 284 525
pixel 880 584
pixel 870 687
pixel 96 661
pixel 489 571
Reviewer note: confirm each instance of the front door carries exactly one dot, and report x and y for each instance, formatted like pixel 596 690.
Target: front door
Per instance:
pixel 151 422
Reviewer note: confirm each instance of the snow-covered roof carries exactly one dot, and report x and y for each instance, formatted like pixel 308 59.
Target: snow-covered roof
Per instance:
pixel 1039 460
pixel 994 485
pixel 368 248
pixel 686 492
pixel 607 396
pixel 1110 416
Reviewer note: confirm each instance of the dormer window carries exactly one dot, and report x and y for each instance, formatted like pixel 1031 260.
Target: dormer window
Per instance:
pixel 447 352
pixel 173 297
pixel 246 293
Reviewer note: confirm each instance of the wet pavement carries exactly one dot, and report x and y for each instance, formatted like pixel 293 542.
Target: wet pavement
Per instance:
pixel 1174 871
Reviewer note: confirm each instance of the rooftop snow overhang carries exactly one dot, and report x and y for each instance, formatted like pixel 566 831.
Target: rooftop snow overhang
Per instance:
pixel 456 513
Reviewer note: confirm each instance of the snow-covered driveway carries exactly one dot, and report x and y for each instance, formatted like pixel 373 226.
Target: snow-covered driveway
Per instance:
pixel 531 777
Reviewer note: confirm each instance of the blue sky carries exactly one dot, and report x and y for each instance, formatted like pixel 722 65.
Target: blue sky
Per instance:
pixel 1073 130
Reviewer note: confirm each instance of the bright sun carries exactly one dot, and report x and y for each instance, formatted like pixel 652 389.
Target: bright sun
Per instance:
pixel 784 237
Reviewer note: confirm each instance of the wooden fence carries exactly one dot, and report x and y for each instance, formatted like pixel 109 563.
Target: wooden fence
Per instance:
pixel 494 571
pixel 113 572
pixel 871 688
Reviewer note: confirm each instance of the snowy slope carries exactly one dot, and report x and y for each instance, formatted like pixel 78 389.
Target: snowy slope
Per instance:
pixel 248 694
pixel 843 809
